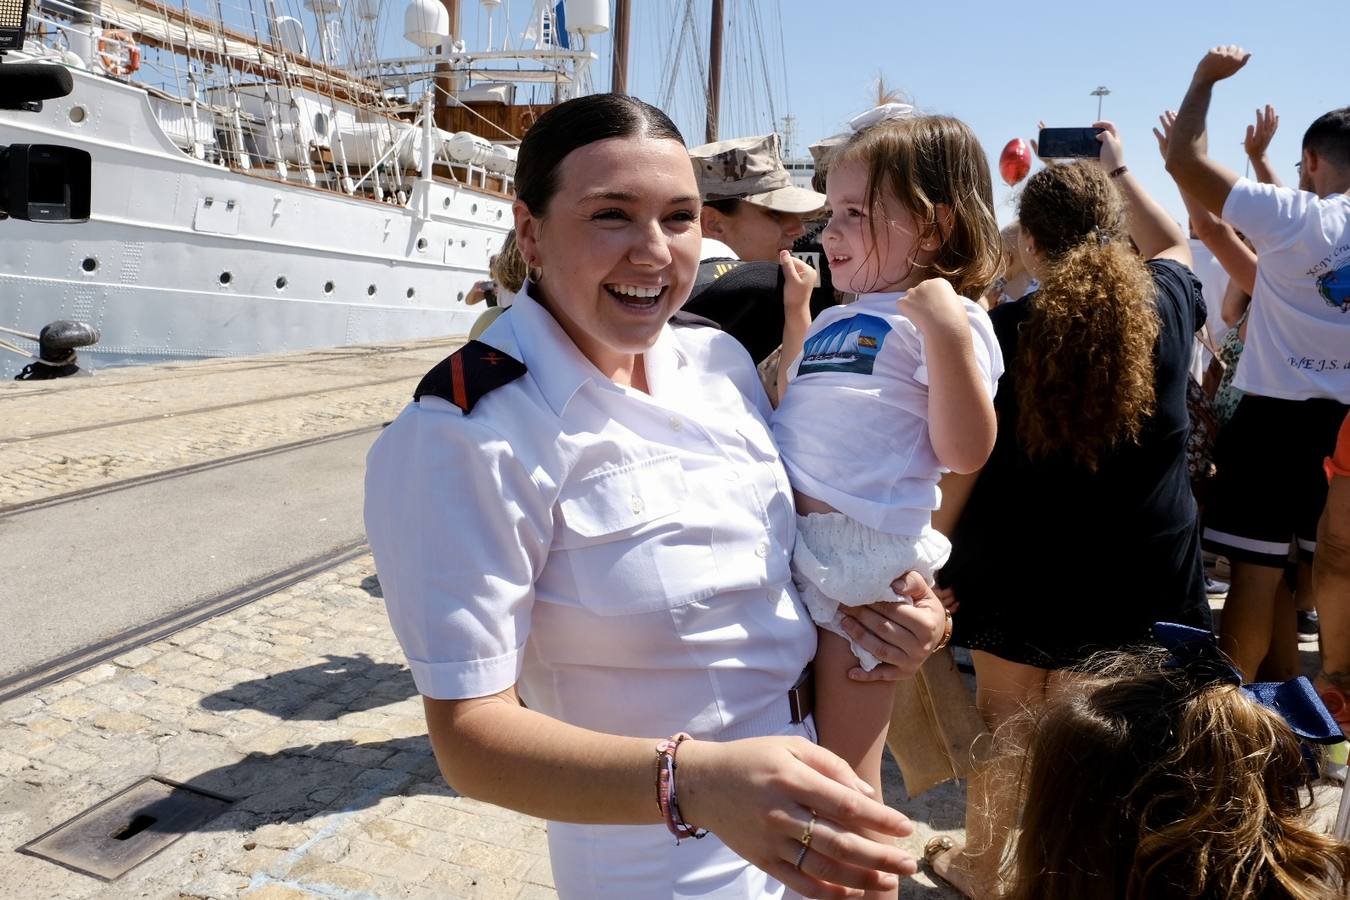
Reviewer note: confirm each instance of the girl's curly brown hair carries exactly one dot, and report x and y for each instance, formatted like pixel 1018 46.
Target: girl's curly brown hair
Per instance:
pixel 1151 783
pixel 1085 360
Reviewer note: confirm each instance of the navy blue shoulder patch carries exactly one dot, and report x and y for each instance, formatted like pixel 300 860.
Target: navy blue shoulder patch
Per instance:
pixel 469 374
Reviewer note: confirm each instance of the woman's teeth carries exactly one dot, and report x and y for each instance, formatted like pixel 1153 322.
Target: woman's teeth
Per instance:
pixel 634 296
pixel 631 290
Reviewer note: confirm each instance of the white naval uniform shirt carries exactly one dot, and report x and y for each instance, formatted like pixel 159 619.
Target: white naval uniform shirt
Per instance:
pixel 622 558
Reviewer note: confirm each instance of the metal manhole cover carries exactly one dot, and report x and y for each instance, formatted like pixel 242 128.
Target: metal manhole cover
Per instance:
pixel 111 837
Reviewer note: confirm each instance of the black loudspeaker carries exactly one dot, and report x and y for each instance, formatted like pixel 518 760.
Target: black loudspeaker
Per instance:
pixel 45 182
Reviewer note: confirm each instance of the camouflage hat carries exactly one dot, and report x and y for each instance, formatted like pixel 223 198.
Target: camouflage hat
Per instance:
pixel 751 169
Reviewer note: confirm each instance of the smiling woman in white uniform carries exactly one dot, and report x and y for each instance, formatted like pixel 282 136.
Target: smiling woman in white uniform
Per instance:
pixel 582 530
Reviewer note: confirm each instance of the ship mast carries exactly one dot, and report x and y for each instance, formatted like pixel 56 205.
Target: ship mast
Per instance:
pixel 618 82
pixel 714 70
pixel 443 85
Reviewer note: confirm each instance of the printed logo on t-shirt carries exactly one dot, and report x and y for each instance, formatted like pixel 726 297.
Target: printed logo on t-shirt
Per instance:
pixel 849 345
pixel 1334 287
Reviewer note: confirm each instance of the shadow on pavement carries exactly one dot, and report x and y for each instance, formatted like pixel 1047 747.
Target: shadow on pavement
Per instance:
pixel 321 692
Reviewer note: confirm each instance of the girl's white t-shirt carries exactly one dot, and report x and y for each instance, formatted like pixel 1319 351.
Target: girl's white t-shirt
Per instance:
pixel 853 426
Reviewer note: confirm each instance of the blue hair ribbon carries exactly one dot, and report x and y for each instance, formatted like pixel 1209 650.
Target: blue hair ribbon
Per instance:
pixel 1196 652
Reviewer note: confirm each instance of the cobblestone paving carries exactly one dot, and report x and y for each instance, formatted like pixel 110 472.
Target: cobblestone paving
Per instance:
pixel 298 705
pixel 201 412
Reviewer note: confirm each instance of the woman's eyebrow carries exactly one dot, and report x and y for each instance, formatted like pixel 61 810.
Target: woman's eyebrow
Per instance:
pixel 626 197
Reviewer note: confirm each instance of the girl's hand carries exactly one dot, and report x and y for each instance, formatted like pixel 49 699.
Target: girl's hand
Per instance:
pixel 798 281
pixel 1113 153
pixel 1260 135
pixel 933 304
pixel 901 635
pixel 948 598
pixel 758 796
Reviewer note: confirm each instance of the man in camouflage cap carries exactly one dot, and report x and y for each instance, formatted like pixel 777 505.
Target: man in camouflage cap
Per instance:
pixel 751 209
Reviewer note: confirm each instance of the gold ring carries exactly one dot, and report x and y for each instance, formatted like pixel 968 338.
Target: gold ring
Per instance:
pixel 805 839
pixel 801 855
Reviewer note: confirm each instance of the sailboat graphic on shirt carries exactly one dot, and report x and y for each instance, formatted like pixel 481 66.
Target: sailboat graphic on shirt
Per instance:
pixel 849 345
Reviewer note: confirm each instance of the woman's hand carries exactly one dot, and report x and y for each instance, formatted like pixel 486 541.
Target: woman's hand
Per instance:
pixel 758 796
pixel 1166 120
pixel 1113 152
pixel 901 635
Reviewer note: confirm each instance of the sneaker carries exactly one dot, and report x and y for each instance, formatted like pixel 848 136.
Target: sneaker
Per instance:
pixel 1307 625
pixel 1214 587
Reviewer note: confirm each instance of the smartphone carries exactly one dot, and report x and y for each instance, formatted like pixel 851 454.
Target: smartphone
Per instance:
pixel 1069 143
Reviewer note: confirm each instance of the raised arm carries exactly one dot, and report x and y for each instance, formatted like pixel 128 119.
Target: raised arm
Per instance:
pixel 1218 236
pixel 1258 140
pixel 1188 159
pixel 1154 232
pixel 798 279
pixel 961 421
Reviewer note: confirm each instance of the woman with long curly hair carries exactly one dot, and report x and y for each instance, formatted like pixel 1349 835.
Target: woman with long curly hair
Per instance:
pixel 1184 786
pixel 1080 531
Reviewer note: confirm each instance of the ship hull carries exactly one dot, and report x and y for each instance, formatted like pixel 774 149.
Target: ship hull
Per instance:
pixel 185 258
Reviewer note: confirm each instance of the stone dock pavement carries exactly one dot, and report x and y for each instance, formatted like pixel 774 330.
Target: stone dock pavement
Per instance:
pixel 295 705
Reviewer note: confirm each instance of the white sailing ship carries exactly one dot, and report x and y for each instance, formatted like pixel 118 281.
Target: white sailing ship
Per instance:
pixel 253 194
pixel 263 180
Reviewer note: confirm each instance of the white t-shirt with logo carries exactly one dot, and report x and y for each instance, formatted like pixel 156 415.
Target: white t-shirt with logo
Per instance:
pixel 853 426
pixel 1298 332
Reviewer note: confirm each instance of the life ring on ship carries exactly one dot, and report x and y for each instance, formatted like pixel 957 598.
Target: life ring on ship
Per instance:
pixel 118 53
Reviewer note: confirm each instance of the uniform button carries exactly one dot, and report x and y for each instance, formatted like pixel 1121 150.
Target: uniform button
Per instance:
pixel 676 423
pixel 762 551
pixel 733 475
pixel 635 504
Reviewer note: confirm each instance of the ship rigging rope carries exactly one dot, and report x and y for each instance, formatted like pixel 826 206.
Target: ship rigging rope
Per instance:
pixel 472 111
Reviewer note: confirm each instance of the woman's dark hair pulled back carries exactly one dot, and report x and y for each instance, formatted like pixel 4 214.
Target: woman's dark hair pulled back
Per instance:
pixel 574 124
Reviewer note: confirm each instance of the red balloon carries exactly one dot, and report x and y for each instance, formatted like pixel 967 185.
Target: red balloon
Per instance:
pixel 1015 161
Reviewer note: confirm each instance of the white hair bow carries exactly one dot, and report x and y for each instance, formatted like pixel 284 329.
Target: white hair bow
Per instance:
pixel 882 113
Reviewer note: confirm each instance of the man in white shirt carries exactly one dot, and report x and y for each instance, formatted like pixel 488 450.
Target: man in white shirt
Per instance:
pixel 1295 370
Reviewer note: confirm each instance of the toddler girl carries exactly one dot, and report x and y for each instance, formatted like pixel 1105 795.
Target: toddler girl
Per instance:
pixel 880 397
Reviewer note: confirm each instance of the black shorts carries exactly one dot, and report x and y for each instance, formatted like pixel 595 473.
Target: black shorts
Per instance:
pixel 1270 487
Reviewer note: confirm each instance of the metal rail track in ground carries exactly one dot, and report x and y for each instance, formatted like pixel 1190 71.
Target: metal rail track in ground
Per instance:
pixel 54 670
pixel 168 474
pixel 210 366
pixel 159 417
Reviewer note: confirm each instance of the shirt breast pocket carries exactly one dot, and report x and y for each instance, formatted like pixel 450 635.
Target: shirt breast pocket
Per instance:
pixel 633 540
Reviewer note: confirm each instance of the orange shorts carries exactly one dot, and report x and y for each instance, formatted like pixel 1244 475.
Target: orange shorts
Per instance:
pixel 1338 463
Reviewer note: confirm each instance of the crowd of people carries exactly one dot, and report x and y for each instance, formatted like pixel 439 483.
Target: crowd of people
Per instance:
pixel 663 542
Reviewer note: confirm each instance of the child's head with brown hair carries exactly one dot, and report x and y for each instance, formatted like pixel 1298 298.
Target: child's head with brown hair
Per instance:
pixel 1160 781
pixel 508 267
pixel 911 199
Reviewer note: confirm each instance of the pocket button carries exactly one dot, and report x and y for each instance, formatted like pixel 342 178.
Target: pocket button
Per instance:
pixel 762 550
pixel 635 504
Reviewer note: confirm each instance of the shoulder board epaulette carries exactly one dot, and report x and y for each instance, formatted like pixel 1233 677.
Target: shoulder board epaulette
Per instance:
pixel 469 374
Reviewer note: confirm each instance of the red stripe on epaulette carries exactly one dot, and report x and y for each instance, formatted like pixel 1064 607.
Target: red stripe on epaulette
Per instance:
pixel 470 373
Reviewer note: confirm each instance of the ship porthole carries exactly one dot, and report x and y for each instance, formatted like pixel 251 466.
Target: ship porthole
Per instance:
pixel 328 287
pixel 421 243
pixel 281 282
pixel 445 204
pixel 411 293
pixel 473 208
pixel 226 278
pixel 499 213
pixel 460 296
pixel 371 290
pixel 78 114
pixel 90 264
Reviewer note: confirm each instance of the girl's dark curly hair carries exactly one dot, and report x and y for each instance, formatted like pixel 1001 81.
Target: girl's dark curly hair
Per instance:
pixel 1085 359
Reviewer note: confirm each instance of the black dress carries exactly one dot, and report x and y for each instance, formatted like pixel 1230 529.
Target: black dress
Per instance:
pixel 1051 562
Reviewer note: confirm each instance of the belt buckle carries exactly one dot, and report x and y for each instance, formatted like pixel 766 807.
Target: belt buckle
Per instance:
pixel 802 696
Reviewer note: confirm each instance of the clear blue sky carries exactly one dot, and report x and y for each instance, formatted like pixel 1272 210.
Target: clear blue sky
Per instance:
pixel 1001 67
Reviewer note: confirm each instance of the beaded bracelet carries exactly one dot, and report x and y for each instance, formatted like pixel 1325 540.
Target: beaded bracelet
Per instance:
pixel 666 797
